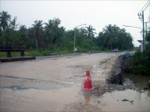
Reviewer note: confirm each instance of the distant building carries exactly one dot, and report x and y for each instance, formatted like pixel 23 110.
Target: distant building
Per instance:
pixel 141 42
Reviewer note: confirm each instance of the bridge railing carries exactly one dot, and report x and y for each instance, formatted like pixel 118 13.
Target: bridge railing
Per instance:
pixel 9 49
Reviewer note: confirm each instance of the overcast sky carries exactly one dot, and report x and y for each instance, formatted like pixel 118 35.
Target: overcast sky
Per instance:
pixel 97 13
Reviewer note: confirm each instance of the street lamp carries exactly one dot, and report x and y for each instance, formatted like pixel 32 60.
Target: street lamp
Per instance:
pixel 133 26
pixel 142 42
pixel 74 48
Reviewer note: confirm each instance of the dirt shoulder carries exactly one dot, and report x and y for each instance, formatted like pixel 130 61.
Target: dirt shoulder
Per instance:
pixel 95 101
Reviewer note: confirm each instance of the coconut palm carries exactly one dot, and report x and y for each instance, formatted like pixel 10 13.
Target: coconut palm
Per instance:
pixel 90 31
pixel 23 35
pixel 13 25
pixel 37 26
pixel 5 18
pixel 53 32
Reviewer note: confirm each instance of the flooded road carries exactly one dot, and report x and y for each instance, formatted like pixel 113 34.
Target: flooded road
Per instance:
pixel 55 84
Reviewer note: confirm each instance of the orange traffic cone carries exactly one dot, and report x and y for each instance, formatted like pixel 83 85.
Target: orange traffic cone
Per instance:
pixel 87 73
pixel 88 83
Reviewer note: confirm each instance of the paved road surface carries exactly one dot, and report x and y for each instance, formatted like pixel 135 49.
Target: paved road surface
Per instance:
pixel 47 84
pixel 55 84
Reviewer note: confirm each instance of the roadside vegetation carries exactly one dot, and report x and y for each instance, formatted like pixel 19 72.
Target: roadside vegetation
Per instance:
pixel 139 63
pixel 48 38
pixel 44 38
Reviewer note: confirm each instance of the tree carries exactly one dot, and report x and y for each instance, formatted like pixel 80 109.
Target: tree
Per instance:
pixel 53 36
pixel 113 37
pixel 23 36
pixel 5 18
pixel 67 40
pixel 13 25
pixel 31 36
pixel 37 26
pixel 8 29
pixel 90 31
pixel 54 33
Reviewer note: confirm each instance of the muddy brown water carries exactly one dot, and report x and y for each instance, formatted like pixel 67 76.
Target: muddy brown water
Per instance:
pixel 138 80
pixel 55 84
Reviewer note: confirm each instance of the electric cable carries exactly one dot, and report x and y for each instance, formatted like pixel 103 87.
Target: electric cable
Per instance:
pixel 145 6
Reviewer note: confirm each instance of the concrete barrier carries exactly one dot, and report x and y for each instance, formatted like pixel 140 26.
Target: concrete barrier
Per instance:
pixel 17 58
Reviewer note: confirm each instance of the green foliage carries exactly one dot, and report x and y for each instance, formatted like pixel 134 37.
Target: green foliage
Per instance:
pixel 38 52
pixel 50 37
pixel 113 37
pixel 13 54
pixel 140 63
pixel 4 20
pixel 45 52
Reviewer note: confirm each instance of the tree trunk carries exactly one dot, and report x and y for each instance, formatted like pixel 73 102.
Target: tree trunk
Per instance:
pixel 36 43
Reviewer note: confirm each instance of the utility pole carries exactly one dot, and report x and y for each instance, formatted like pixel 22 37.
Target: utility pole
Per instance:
pixel 74 48
pixel 141 17
pixel 74 38
pixel 143 30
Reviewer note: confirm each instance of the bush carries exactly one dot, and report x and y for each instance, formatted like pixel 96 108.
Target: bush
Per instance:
pixel 140 63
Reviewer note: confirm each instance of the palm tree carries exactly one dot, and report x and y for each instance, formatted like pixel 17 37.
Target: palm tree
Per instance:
pixel 13 24
pixel 53 32
pixel 23 35
pixel 30 36
pixel 110 32
pixel 37 26
pixel 90 31
pixel 48 33
pixel 113 37
pixel 5 18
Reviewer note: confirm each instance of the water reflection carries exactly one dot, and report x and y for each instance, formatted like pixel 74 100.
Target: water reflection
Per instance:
pixel 129 100
pixel 87 99
pixel 139 80
pixel 148 93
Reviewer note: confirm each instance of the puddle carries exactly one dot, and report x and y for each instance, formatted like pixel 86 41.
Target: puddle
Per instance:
pixel 123 100
pixel 38 100
pixel 138 80
pixel 116 101
pixel 128 100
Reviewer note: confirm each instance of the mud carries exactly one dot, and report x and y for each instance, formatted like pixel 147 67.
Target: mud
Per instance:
pixel 56 83
pixel 112 101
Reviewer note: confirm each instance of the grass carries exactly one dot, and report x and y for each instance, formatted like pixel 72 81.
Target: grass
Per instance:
pixel 46 52
pixel 35 53
pixel 14 54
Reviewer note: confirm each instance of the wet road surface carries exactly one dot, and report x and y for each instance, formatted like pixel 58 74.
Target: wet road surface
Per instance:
pixel 55 84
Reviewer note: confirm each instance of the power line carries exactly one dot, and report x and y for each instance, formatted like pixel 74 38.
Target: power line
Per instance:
pixel 141 17
pixel 149 13
pixel 145 6
pixel 141 12
pixel 132 26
